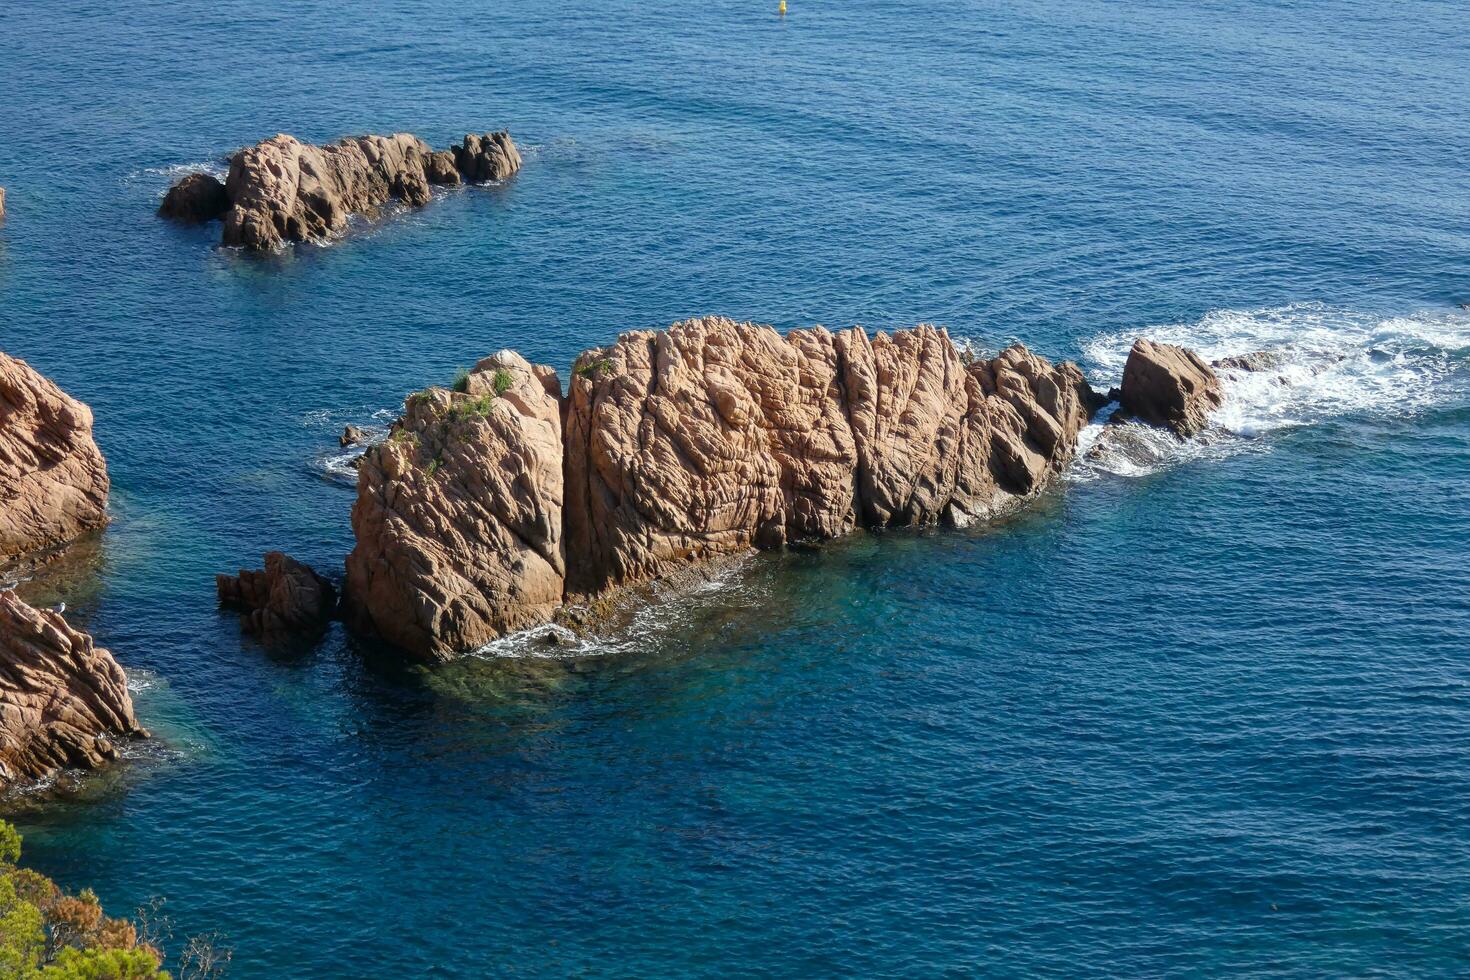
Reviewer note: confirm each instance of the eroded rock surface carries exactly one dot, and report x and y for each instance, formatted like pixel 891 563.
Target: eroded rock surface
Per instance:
pixel 64 701
pixel 287 598
pixel 283 190
pixel 53 480
pixel 1169 386
pixel 459 514
pixel 480 515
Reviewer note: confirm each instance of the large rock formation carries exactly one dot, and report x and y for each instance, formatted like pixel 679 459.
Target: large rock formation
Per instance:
pixel 1170 387
pixel 287 598
pixel 63 701
pixel 480 515
pixel 459 514
pixel 53 480
pixel 282 190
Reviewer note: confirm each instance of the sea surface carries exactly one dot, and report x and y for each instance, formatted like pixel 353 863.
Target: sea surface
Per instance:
pixel 1201 710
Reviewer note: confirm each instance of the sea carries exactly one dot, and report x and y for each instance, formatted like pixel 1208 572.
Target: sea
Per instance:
pixel 1202 709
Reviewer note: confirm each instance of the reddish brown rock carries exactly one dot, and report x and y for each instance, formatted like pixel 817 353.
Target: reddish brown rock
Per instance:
pixel 195 199
pixel 492 156
pixel 681 446
pixel 284 190
pixel 1170 387
pixel 64 702
pixel 459 514
pixel 53 480
pixel 285 599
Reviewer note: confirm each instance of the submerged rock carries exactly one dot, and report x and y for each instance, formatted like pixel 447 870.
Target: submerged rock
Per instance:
pixel 480 515
pixel 283 190
pixel 195 199
pixel 53 479
pixel 63 700
pixel 1169 386
pixel 1261 360
pixel 285 599
pixel 2 204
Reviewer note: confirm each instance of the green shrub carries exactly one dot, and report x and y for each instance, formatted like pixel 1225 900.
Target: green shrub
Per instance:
pixel 46 934
pixel 461 380
pixel 504 380
pixel 595 368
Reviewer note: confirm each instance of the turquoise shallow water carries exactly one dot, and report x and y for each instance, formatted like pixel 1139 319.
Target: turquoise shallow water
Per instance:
pixel 1202 710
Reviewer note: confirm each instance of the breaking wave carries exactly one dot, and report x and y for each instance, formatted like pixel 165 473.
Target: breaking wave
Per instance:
pixel 1327 363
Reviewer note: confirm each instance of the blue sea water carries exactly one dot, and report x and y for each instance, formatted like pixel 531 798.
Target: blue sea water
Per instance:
pixel 1202 710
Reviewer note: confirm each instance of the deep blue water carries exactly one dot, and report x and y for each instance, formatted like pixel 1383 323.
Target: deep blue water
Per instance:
pixel 1206 711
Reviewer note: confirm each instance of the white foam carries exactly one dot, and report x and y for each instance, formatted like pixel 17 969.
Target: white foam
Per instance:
pixel 653 617
pixel 1331 363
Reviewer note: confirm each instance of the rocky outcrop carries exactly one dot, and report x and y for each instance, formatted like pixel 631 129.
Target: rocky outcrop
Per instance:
pixel 489 157
pixel 352 435
pixel 480 515
pixel 53 480
pixel 283 190
pixel 459 514
pixel 63 701
pixel 195 199
pixel 285 599
pixel 1169 386
pixel 2 204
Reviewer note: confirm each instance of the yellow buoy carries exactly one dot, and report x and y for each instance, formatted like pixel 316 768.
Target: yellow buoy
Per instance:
pixel 782 8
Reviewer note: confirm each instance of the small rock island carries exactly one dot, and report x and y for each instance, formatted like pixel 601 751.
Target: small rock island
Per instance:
pixel 283 190
pixel 489 508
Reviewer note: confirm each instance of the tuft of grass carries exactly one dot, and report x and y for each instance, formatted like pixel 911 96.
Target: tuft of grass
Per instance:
pixel 433 468
pixel 461 380
pixel 503 382
pixel 473 408
pixel 595 368
pixel 401 436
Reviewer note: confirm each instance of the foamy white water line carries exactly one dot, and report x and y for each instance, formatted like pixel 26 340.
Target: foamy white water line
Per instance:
pixel 1331 363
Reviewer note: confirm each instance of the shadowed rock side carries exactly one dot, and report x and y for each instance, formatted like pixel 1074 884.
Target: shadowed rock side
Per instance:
pixel 63 700
pixel 282 190
pixel 681 446
pixel 1169 386
pixel 53 480
pixel 195 199
pixel 285 599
